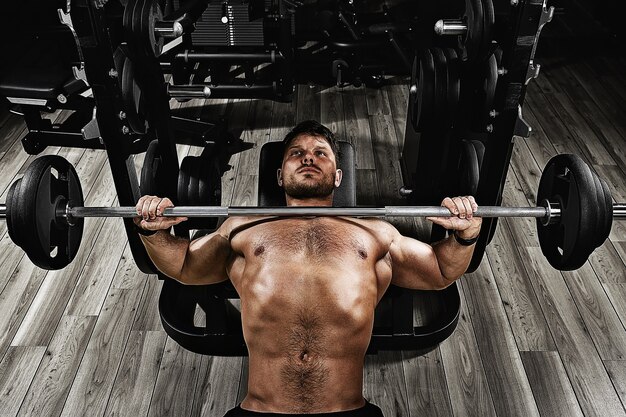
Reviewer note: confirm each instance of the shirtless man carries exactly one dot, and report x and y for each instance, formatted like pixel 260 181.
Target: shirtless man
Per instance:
pixel 309 286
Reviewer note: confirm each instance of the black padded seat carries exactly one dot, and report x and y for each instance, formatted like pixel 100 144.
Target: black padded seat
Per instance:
pixel 39 73
pixel 272 195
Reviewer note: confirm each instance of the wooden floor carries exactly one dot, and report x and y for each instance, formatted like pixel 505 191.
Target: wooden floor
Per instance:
pixel 87 341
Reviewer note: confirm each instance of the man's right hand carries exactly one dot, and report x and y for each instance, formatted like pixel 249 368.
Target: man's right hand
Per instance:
pixel 149 209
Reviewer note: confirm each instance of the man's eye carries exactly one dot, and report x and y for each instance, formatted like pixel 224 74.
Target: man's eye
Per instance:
pixel 321 153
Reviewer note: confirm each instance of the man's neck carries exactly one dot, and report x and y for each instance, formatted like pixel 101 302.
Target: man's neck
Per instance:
pixel 309 202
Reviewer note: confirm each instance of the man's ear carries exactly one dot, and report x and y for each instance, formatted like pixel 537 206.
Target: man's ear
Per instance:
pixel 338 177
pixel 279 177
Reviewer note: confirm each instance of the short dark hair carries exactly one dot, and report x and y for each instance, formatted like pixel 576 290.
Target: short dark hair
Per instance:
pixel 314 128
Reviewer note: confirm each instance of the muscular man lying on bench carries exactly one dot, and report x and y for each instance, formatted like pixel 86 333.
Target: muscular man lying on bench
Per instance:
pixel 309 286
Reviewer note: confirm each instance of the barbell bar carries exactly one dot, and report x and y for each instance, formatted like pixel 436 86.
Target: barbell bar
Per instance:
pixel 548 212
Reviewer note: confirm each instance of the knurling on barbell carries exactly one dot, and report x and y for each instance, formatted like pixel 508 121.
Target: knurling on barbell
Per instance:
pixel 45 210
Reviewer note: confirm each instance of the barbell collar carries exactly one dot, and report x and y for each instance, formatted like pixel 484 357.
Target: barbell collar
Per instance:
pixel 447 27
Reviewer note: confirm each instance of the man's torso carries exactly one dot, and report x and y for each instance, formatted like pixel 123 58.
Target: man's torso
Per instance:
pixel 308 289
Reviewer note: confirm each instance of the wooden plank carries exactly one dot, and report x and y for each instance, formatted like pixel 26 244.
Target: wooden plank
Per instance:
pixel 607 264
pixel 384 383
pixel 555 130
pixel 98 272
pixel 215 399
pixel 16 299
pixel 246 191
pixel 570 114
pixel 426 381
pixel 507 380
pixel 175 386
pixel 366 187
pixel 398 96
pixel 308 104
pixel 147 317
pixel 137 374
pixel 332 111
pixel 48 391
pixel 128 276
pixel 465 374
pixel 17 370
pixel 523 229
pixel 238 115
pixel 617 296
pixel 96 374
pixel 551 387
pixel 591 384
pixel 377 102
pixel 600 317
pixel 386 157
pixel 518 296
pixel 617 373
pixel 358 127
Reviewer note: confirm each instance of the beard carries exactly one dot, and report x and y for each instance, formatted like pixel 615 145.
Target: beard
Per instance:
pixel 309 189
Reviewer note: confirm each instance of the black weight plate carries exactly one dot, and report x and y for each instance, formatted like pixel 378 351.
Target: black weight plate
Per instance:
pixel 425 90
pixel 609 210
pixel 146 24
pixel 471 43
pixel 567 180
pixel 454 86
pixel 600 212
pixel 41 193
pixel 11 204
pixel 486 94
pixel 480 151
pixel 489 19
pixel 194 181
pixel 441 88
pixel 151 174
pixel 133 99
pixel 183 181
pixel 413 94
pixel 210 190
pixel 469 169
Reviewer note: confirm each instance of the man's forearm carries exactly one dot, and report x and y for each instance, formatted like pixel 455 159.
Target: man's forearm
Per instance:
pixel 167 252
pixel 453 258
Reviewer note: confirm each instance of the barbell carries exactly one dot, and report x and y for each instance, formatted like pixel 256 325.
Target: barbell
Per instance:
pixel 45 210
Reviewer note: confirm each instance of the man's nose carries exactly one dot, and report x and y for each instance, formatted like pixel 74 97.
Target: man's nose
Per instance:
pixel 307 158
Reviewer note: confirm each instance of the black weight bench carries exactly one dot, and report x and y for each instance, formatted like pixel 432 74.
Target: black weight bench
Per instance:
pixel 222 334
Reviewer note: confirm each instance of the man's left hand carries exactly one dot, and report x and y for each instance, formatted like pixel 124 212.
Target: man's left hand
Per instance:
pixel 463 220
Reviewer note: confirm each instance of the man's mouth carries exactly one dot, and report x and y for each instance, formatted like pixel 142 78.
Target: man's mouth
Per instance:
pixel 308 169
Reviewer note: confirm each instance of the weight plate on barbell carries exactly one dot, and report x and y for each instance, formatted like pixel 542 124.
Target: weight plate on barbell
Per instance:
pixel 567 180
pixel 139 20
pixel 48 184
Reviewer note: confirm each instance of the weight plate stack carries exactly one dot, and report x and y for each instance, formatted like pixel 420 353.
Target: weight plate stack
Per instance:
pixel 151 173
pixel 568 242
pixel 50 241
pixel 139 21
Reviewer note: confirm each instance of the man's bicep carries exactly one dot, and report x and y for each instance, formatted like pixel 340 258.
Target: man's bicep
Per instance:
pixel 414 264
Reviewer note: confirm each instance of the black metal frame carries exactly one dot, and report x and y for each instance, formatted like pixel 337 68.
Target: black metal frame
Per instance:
pixel 341 53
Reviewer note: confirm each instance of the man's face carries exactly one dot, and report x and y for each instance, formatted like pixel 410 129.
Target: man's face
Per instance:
pixel 309 168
